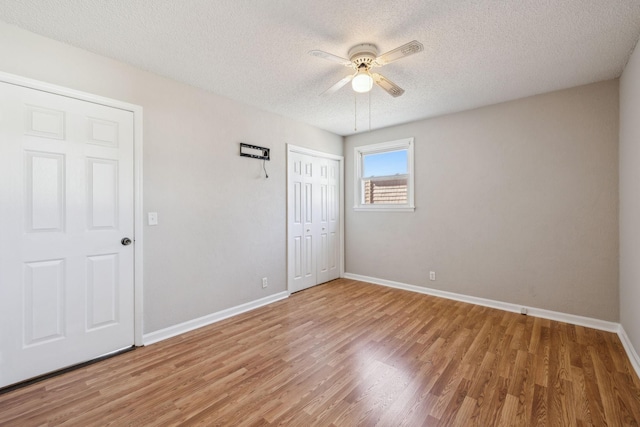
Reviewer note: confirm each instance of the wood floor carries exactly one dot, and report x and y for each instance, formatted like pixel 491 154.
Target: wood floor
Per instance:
pixel 348 353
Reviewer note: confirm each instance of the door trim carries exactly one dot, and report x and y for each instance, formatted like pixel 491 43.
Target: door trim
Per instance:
pixel 138 224
pixel 301 150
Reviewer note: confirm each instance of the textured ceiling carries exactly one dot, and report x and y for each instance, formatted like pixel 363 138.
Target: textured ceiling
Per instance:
pixel 477 52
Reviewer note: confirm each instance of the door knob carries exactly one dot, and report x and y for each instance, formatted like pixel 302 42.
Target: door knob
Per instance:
pixel 125 241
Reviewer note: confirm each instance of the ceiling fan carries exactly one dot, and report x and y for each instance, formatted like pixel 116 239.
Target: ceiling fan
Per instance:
pixel 362 58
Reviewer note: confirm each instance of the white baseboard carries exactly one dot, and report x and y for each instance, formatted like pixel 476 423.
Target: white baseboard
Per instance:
pixel 181 328
pixel 631 352
pixel 500 305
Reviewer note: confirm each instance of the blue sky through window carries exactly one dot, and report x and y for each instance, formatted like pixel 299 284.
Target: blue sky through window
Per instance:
pixel 385 164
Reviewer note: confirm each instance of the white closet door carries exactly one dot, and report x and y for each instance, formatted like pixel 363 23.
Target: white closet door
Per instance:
pixel 302 253
pixel 328 220
pixel 314 221
pixel 322 225
pixel 333 220
pixel 66 188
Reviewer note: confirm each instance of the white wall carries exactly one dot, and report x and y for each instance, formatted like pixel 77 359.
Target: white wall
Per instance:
pixel 630 199
pixel 222 226
pixel 516 202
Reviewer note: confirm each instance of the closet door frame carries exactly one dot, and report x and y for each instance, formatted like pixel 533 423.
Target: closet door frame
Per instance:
pixel 306 151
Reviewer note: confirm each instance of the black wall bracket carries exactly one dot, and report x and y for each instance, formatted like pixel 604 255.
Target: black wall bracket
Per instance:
pixel 254 151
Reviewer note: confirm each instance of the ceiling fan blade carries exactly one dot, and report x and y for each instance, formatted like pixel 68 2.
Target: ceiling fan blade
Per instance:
pixel 330 57
pixel 390 87
pixel 399 53
pixel 338 85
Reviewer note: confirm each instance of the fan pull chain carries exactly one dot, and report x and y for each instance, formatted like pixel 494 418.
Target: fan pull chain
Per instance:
pixel 369 111
pixel 355 113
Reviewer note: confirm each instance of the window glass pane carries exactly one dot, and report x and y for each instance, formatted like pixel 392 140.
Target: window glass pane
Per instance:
pixel 385 164
pixel 384 191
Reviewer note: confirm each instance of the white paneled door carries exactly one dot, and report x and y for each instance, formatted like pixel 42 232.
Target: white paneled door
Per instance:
pixel 314 220
pixel 327 209
pixel 66 268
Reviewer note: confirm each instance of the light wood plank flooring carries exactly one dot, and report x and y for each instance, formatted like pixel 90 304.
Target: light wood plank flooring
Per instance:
pixel 348 353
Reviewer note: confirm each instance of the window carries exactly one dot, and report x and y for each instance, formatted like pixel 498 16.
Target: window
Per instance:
pixel 384 176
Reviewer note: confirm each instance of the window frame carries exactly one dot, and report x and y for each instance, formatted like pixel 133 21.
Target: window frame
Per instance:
pixel 383 147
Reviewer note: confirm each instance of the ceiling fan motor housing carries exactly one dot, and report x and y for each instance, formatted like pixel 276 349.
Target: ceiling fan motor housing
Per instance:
pixel 363 55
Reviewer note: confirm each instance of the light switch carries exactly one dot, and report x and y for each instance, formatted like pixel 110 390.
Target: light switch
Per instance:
pixel 153 218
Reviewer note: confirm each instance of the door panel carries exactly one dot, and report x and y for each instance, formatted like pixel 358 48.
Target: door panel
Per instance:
pixel 44 122
pixel 102 195
pixel 309 259
pixel 44 182
pixel 297 258
pixel 44 302
pixel 102 290
pixel 66 181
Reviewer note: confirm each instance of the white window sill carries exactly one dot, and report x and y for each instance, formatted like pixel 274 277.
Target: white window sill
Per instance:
pixel 384 209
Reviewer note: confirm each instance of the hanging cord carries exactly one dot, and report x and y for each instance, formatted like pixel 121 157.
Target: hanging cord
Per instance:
pixel 264 167
pixel 369 111
pixel 355 112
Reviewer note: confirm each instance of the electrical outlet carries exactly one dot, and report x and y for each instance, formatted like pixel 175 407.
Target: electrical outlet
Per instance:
pixel 432 275
pixel 265 283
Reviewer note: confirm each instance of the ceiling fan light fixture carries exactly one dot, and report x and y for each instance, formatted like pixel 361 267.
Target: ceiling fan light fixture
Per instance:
pixel 362 82
pixel 362 58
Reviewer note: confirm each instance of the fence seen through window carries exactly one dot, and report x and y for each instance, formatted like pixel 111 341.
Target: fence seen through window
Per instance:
pixel 385 178
pixel 385 190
